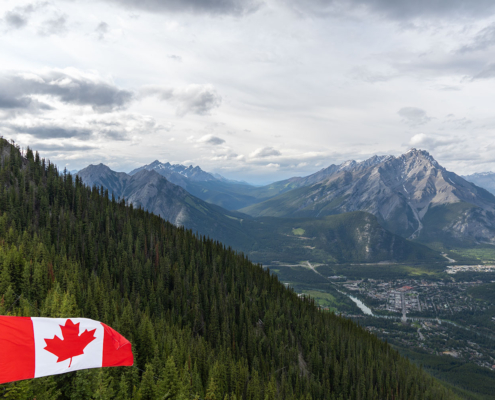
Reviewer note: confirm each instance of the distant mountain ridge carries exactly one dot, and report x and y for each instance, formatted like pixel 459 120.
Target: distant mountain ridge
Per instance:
pixel 486 180
pixel 190 172
pixel 214 189
pixel 412 195
pixel 153 192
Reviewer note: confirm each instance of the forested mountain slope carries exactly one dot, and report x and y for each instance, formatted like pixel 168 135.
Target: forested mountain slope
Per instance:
pixel 203 320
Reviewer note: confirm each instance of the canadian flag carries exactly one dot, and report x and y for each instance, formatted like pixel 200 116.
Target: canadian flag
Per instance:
pixel 35 347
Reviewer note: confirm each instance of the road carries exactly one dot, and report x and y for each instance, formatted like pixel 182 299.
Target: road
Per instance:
pixel 403 301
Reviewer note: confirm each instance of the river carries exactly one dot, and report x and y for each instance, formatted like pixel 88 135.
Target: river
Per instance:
pixel 361 305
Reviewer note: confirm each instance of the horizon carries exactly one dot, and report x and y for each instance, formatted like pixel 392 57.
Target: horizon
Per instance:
pixel 269 182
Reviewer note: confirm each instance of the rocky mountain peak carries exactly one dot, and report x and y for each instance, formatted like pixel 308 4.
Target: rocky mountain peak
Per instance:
pixel 177 173
pixel 421 156
pixel 347 165
pixel 401 191
pixel 96 168
pixel 373 161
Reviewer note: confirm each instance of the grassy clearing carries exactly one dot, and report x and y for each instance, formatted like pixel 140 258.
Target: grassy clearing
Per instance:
pixel 298 231
pixel 418 271
pixel 485 254
pixel 324 299
pixel 387 272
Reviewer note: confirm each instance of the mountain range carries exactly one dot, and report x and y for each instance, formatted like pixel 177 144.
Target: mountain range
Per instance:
pixel 349 237
pixel 410 197
pixel 152 191
pixel 214 189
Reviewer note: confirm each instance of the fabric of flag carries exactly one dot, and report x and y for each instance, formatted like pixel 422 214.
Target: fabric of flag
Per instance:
pixel 35 347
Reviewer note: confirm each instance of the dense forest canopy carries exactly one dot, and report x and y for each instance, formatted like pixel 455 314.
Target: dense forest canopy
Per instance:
pixel 204 321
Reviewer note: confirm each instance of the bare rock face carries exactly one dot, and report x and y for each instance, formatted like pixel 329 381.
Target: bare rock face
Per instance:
pixel 403 192
pixel 177 173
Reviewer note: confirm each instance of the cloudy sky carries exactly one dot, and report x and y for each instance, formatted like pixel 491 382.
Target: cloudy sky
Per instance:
pixel 252 89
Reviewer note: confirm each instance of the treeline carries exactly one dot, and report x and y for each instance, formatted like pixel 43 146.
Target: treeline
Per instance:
pixel 204 321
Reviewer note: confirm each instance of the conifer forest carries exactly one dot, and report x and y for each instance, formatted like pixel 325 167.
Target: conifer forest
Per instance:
pixel 204 322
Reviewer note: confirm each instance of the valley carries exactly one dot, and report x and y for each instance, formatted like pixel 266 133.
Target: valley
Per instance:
pixel 450 320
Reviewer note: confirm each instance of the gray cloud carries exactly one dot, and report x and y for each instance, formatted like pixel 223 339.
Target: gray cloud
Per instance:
pixel 101 30
pixel 119 126
pixel 8 102
pixel 16 91
pixel 414 116
pixel 265 152
pixel 15 20
pixel 487 73
pixel 195 99
pixel 12 105
pixel 18 17
pixel 175 57
pixel 54 26
pixel 398 9
pixel 210 139
pixel 66 147
pixel 211 7
pixel 53 132
pixel 437 63
pixel 482 40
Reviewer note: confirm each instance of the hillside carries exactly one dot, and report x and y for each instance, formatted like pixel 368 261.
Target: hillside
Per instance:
pixel 409 194
pixel 353 237
pixel 204 321
pixel 349 237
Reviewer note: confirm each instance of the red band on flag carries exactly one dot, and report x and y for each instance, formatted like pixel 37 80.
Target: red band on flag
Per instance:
pixel 17 356
pixel 116 349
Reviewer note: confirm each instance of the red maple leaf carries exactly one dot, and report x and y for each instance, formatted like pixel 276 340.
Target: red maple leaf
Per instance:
pixel 72 343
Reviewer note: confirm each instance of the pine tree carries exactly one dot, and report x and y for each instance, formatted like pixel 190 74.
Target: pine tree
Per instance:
pixel 147 390
pixel 168 386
